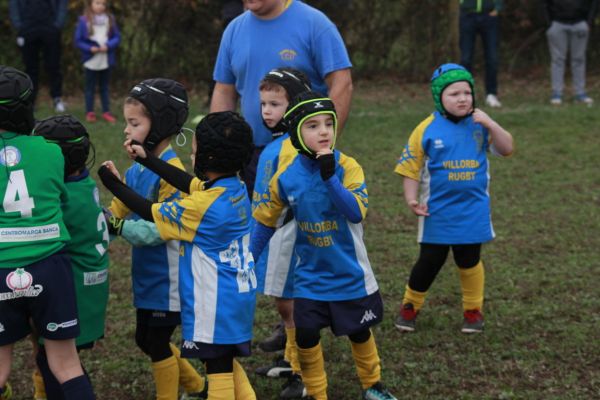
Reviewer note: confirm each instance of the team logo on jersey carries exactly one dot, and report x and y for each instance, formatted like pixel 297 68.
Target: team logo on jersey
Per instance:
pixel 97 196
pixel 287 54
pixel 173 212
pixel 10 156
pixel 21 284
pixel 369 316
pixel 438 144
pixel 53 326
pixel 478 138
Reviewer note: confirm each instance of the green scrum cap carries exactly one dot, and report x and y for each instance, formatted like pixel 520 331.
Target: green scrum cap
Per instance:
pixel 445 75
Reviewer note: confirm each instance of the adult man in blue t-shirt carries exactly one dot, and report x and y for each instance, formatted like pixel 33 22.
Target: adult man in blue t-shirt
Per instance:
pixel 272 34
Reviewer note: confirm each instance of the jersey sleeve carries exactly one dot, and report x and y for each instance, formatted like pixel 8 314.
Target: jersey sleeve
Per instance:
pixel 354 181
pixel 167 192
pixel 223 72
pixel 196 185
pixel 329 51
pixel 269 211
pixel 412 159
pixel 179 219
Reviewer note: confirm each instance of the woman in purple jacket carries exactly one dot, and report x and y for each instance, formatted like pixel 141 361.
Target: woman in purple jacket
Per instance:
pixel 97 36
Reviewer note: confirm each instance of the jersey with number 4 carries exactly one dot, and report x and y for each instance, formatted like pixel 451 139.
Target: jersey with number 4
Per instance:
pixel 31 189
pixel 217 283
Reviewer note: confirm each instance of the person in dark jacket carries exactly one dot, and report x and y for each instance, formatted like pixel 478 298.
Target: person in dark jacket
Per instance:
pixel 569 27
pixel 39 24
pixel 481 17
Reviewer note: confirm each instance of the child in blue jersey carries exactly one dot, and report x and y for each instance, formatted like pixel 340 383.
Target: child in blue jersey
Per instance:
pixel 217 279
pixel 333 282
pixel 156 110
pixel 36 281
pixel 446 161
pixel 274 269
pixel 84 219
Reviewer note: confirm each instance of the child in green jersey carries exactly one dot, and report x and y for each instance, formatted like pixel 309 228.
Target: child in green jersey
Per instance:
pixel 36 281
pixel 85 221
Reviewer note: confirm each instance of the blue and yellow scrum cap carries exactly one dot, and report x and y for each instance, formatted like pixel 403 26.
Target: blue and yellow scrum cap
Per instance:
pixel 445 75
pixel 305 106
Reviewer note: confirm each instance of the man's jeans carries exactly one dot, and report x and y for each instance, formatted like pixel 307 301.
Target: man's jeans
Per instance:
pixel 485 25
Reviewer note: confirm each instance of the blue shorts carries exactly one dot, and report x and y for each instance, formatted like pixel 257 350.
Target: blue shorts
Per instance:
pixel 43 292
pixel 209 351
pixel 157 318
pixel 344 317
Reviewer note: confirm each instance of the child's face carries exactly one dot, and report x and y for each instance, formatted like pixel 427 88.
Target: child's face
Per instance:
pixel 318 133
pixel 98 6
pixel 273 104
pixel 457 99
pixel 137 123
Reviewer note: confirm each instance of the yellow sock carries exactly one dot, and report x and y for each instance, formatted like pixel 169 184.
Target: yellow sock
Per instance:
pixel 366 359
pixel 471 282
pixel 166 378
pixel 313 371
pixel 221 386
pixel 189 379
pixel 39 390
pixel 7 393
pixel 291 350
pixel 243 388
pixel 415 298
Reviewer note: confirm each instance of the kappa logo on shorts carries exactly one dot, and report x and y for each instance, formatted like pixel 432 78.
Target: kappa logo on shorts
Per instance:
pixel 369 316
pixel 21 284
pixel 1 328
pixel 53 326
pixel 189 345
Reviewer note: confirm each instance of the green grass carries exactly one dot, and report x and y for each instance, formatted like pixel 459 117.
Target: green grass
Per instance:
pixel 542 337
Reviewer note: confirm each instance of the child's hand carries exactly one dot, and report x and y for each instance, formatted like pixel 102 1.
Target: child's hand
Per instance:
pixel 111 167
pixel 482 118
pixel 134 149
pixel 418 209
pixel 94 49
pixel 103 48
pixel 326 161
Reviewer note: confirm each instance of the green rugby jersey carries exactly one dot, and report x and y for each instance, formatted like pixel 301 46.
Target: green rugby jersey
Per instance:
pixel 31 190
pixel 89 256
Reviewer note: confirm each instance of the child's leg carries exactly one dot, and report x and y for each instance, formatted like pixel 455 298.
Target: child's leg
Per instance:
pixel 165 369
pixel 39 391
pixel 472 275
pixel 5 363
pixel 50 385
pixel 312 363
pixel 242 386
pixel 366 358
pixel 221 384
pixel 103 80
pixel 90 89
pixel 431 259
pixel 64 363
pixel 285 307
pixel 189 379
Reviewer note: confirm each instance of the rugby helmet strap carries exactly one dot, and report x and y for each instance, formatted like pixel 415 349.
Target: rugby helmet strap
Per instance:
pixel 16 101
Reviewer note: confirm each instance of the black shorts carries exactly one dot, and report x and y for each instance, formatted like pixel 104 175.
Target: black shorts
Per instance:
pixel 344 317
pixel 43 292
pixel 156 318
pixel 208 351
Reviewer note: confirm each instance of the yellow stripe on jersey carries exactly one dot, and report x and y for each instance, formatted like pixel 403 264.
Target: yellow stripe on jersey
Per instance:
pixel 196 184
pixel 117 207
pixel 354 181
pixel 413 157
pixel 165 190
pixel 179 219
pixel 268 213
pixel 287 154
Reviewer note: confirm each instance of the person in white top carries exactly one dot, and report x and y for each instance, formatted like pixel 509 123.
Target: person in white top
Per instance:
pixel 97 37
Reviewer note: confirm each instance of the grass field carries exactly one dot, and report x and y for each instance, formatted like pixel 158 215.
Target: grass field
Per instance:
pixel 542 338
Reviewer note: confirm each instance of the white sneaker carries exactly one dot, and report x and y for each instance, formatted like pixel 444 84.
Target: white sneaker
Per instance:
pixel 59 105
pixel 492 101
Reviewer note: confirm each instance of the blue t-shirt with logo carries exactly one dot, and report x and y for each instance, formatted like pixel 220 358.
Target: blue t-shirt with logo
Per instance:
pixel 301 37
